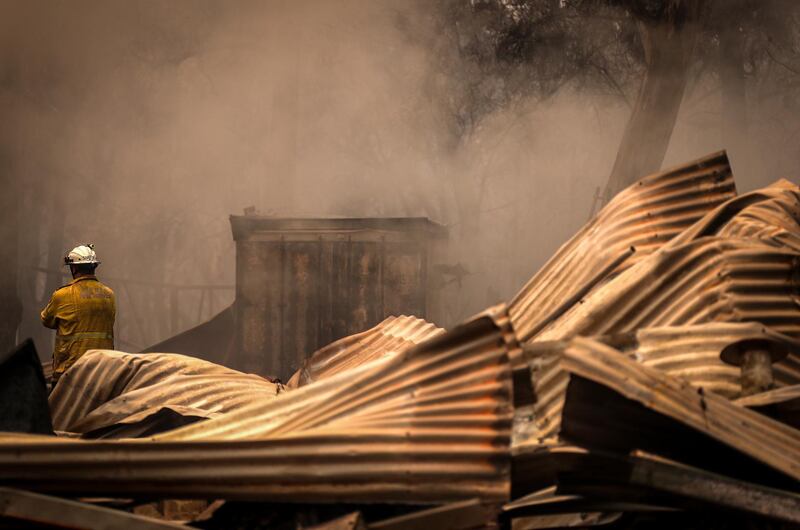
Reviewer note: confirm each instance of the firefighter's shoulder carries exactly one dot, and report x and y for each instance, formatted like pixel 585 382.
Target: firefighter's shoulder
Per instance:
pixel 106 288
pixel 62 291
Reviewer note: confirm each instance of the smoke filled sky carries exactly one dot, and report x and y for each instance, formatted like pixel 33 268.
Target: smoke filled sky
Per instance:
pixel 141 126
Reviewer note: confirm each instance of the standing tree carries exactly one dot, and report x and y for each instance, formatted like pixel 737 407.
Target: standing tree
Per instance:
pixel 645 51
pixel 668 32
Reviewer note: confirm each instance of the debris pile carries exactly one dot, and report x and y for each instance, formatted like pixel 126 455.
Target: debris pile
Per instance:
pixel 649 374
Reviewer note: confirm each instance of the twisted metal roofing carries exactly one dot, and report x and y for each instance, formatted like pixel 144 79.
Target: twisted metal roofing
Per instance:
pixel 689 353
pixel 429 424
pixel 644 215
pixel 693 354
pixel 710 279
pixel 763 439
pixel 106 388
pixel 770 215
pixel 392 336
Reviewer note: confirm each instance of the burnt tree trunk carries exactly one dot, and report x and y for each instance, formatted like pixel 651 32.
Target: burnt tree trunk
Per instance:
pixel 668 48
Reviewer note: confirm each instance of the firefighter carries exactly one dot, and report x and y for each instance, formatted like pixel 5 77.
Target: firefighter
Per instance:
pixel 82 312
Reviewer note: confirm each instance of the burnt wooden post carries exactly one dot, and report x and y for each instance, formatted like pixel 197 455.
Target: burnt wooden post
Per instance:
pixel 755 358
pixel 756 371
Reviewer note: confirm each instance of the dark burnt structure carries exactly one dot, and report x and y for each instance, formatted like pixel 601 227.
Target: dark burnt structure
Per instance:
pixel 302 283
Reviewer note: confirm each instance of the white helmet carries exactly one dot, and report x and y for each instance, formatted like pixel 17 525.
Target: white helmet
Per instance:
pixel 81 255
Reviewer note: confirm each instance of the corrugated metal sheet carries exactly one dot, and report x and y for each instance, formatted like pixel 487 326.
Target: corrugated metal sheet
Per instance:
pixel 749 433
pixel 430 424
pixel 708 273
pixel 691 353
pixel 392 336
pixel 644 215
pixel 737 265
pixel 106 388
pixel 710 279
pixel 772 397
pixel 770 215
pixel 23 509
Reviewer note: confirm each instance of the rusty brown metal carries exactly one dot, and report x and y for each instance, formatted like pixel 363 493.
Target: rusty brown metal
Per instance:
pixel 645 216
pixel 772 397
pixel 430 424
pixel 696 353
pixel 109 388
pixel 730 277
pixel 758 237
pixel 770 442
pixel 23 509
pixel 392 336
pixel 769 215
pixel 710 279
pixel 690 353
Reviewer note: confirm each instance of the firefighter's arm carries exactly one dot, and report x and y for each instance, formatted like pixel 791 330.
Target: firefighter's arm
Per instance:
pixel 49 314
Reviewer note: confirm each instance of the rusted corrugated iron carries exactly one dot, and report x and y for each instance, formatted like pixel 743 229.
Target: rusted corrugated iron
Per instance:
pixel 731 266
pixel 772 397
pixel 106 388
pixel 644 215
pixel 691 353
pixel 23 509
pixel 765 440
pixel 769 215
pixel 734 266
pixel 706 280
pixel 782 404
pixel 392 336
pixel 430 424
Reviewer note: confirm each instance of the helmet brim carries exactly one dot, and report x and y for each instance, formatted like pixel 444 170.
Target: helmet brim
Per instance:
pixel 67 263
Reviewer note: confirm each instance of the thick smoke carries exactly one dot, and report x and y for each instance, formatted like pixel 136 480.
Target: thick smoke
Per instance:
pixel 140 126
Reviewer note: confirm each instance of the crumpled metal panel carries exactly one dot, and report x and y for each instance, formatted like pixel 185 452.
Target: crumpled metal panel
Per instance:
pixel 763 439
pixel 710 272
pixel 689 353
pixel 731 273
pixel 770 215
pixel 106 388
pixel 645 216
pixel 706 280
pixel 430 424
pixel 693 354
pixel 23 509
pixel 392 336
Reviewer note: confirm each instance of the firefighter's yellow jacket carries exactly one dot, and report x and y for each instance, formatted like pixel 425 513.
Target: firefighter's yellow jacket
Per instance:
pixel 83 313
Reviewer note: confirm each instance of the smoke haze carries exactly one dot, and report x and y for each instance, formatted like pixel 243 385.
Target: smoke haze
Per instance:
pixel 141 126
